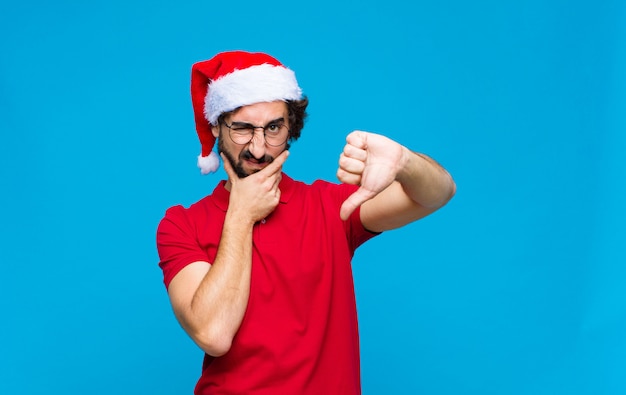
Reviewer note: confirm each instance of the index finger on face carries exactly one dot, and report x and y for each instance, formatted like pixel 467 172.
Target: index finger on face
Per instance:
pixel 277 164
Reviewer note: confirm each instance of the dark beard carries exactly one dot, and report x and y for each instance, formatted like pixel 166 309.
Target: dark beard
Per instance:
pixel 244 155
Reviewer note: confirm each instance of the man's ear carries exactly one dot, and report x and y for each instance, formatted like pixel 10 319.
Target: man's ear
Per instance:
pixel 215 130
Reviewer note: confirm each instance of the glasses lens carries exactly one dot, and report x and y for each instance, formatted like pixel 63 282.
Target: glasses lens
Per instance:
pixel 276 135
pixel 241 135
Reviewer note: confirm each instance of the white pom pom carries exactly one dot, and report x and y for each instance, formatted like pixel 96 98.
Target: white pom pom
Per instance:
pixel 208 164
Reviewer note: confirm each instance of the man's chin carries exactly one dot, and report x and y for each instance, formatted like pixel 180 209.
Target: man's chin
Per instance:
pixel 241 173
pixel 245 172
pixel 244 168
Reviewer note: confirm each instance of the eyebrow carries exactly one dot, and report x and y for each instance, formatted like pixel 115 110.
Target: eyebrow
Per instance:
pixel 247 124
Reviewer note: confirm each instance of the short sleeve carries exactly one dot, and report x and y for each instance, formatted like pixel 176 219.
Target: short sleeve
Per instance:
pixel 177 243
pixel 356 233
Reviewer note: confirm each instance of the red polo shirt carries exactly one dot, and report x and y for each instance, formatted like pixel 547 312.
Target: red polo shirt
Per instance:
pixel 299 334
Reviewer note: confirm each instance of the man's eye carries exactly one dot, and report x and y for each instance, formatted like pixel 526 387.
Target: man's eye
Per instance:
pixel 273 128
pixel 242 130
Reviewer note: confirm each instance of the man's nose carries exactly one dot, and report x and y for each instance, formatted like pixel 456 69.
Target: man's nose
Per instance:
pixel 257 144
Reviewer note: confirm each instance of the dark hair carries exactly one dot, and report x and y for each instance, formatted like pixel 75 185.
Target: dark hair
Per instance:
pixel 297 115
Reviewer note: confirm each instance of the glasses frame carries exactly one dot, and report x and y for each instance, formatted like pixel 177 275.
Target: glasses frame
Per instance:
pixel 254 128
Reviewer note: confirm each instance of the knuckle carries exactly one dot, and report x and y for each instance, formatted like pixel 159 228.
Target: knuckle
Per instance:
pixel 344 161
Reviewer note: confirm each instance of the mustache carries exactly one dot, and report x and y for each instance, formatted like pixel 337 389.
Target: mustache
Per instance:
pixel 247 155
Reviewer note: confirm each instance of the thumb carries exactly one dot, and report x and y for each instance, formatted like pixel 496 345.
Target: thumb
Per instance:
pixel 353 201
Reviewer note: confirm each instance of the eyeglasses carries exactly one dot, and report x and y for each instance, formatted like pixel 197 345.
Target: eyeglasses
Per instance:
pixel 275 133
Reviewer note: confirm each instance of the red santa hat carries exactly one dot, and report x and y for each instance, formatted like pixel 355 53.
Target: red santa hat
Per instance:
pixel 231 80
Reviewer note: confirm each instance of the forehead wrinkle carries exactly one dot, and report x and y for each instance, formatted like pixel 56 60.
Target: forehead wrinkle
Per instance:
pixel 260 113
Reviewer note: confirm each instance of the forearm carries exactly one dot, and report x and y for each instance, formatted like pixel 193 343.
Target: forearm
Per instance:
pixel 425 181
pixel 220 301
pixel 210 301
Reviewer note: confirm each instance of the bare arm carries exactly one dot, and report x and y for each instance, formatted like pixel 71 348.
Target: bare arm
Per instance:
pixel 397 186
pixel 210 300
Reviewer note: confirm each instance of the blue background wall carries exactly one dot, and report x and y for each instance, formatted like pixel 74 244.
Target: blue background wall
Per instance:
pixel 516 287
